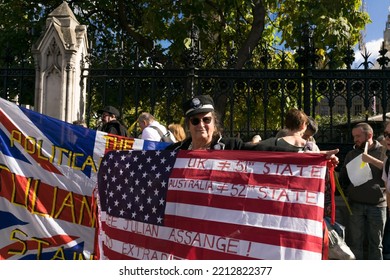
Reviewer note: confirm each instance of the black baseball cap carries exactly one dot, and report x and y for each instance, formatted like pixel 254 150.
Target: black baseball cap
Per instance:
pixel 111 110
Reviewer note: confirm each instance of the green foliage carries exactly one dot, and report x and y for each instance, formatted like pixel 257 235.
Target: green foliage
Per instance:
pixel 127 32
pixel 140 23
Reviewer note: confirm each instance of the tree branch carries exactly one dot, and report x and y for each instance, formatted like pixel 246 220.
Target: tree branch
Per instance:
pixel 254 35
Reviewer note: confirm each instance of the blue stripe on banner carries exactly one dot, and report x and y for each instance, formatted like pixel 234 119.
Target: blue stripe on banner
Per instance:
pixel 7 150
pixel 71 253
pixel 8 220
pixel 153 145
pixel 68 136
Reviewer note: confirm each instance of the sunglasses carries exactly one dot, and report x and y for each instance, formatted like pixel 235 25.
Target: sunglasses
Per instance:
pixel 196 121
pixel 386 134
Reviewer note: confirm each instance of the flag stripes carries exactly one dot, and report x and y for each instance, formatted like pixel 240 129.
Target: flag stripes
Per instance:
pixel 258 205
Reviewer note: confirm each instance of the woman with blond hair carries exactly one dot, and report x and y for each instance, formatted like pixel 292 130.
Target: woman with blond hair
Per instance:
pixel 177 131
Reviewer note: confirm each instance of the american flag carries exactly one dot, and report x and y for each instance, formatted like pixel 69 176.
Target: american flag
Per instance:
pixel 211 205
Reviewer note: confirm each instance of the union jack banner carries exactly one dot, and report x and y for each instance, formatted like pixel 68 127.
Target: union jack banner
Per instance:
pixel 48 174
pixel 211 205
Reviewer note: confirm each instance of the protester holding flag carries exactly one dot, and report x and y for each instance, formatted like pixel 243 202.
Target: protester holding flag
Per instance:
pixel 297 124
pixel 188 203
pixel 205 131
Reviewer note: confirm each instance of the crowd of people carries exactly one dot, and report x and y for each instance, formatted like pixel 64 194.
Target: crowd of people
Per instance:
pixel 367 228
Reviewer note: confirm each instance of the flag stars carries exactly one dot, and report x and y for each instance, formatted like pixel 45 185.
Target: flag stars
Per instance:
pixel 137 183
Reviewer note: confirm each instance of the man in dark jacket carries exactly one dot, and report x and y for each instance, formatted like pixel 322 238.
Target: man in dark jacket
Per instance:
pixel 367 200
pixel 109 115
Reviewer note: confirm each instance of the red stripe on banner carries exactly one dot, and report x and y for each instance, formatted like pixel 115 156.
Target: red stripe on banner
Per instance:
pixel 312 212
pixel 247 232
pixel 118 143
pixel 231 234
pixel 144 247
pixel 43 199
pixel 257 156
pixel 250 179
pixel 28 145
pixel 19 247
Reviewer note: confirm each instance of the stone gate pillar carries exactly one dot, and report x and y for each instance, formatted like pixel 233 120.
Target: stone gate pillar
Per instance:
pixel 58 54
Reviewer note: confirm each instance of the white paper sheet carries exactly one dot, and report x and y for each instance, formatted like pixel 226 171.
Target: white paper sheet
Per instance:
pixel 359 172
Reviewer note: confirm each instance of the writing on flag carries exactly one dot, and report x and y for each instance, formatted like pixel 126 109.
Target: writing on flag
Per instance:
pixel 48 175
pixel 211 205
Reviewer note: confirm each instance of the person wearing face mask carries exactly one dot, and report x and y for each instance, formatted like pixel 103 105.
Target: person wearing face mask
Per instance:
pixel 367 200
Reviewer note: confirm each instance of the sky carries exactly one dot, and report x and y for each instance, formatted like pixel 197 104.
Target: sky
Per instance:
pixel 378 11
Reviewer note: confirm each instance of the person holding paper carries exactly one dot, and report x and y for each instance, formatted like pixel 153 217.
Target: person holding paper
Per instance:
pixel 361 179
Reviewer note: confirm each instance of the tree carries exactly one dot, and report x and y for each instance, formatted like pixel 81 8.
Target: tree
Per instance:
pixel 127 32
pixel 249 23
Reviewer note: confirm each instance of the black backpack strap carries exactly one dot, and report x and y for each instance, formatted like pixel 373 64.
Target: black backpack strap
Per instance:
pixel 158 130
